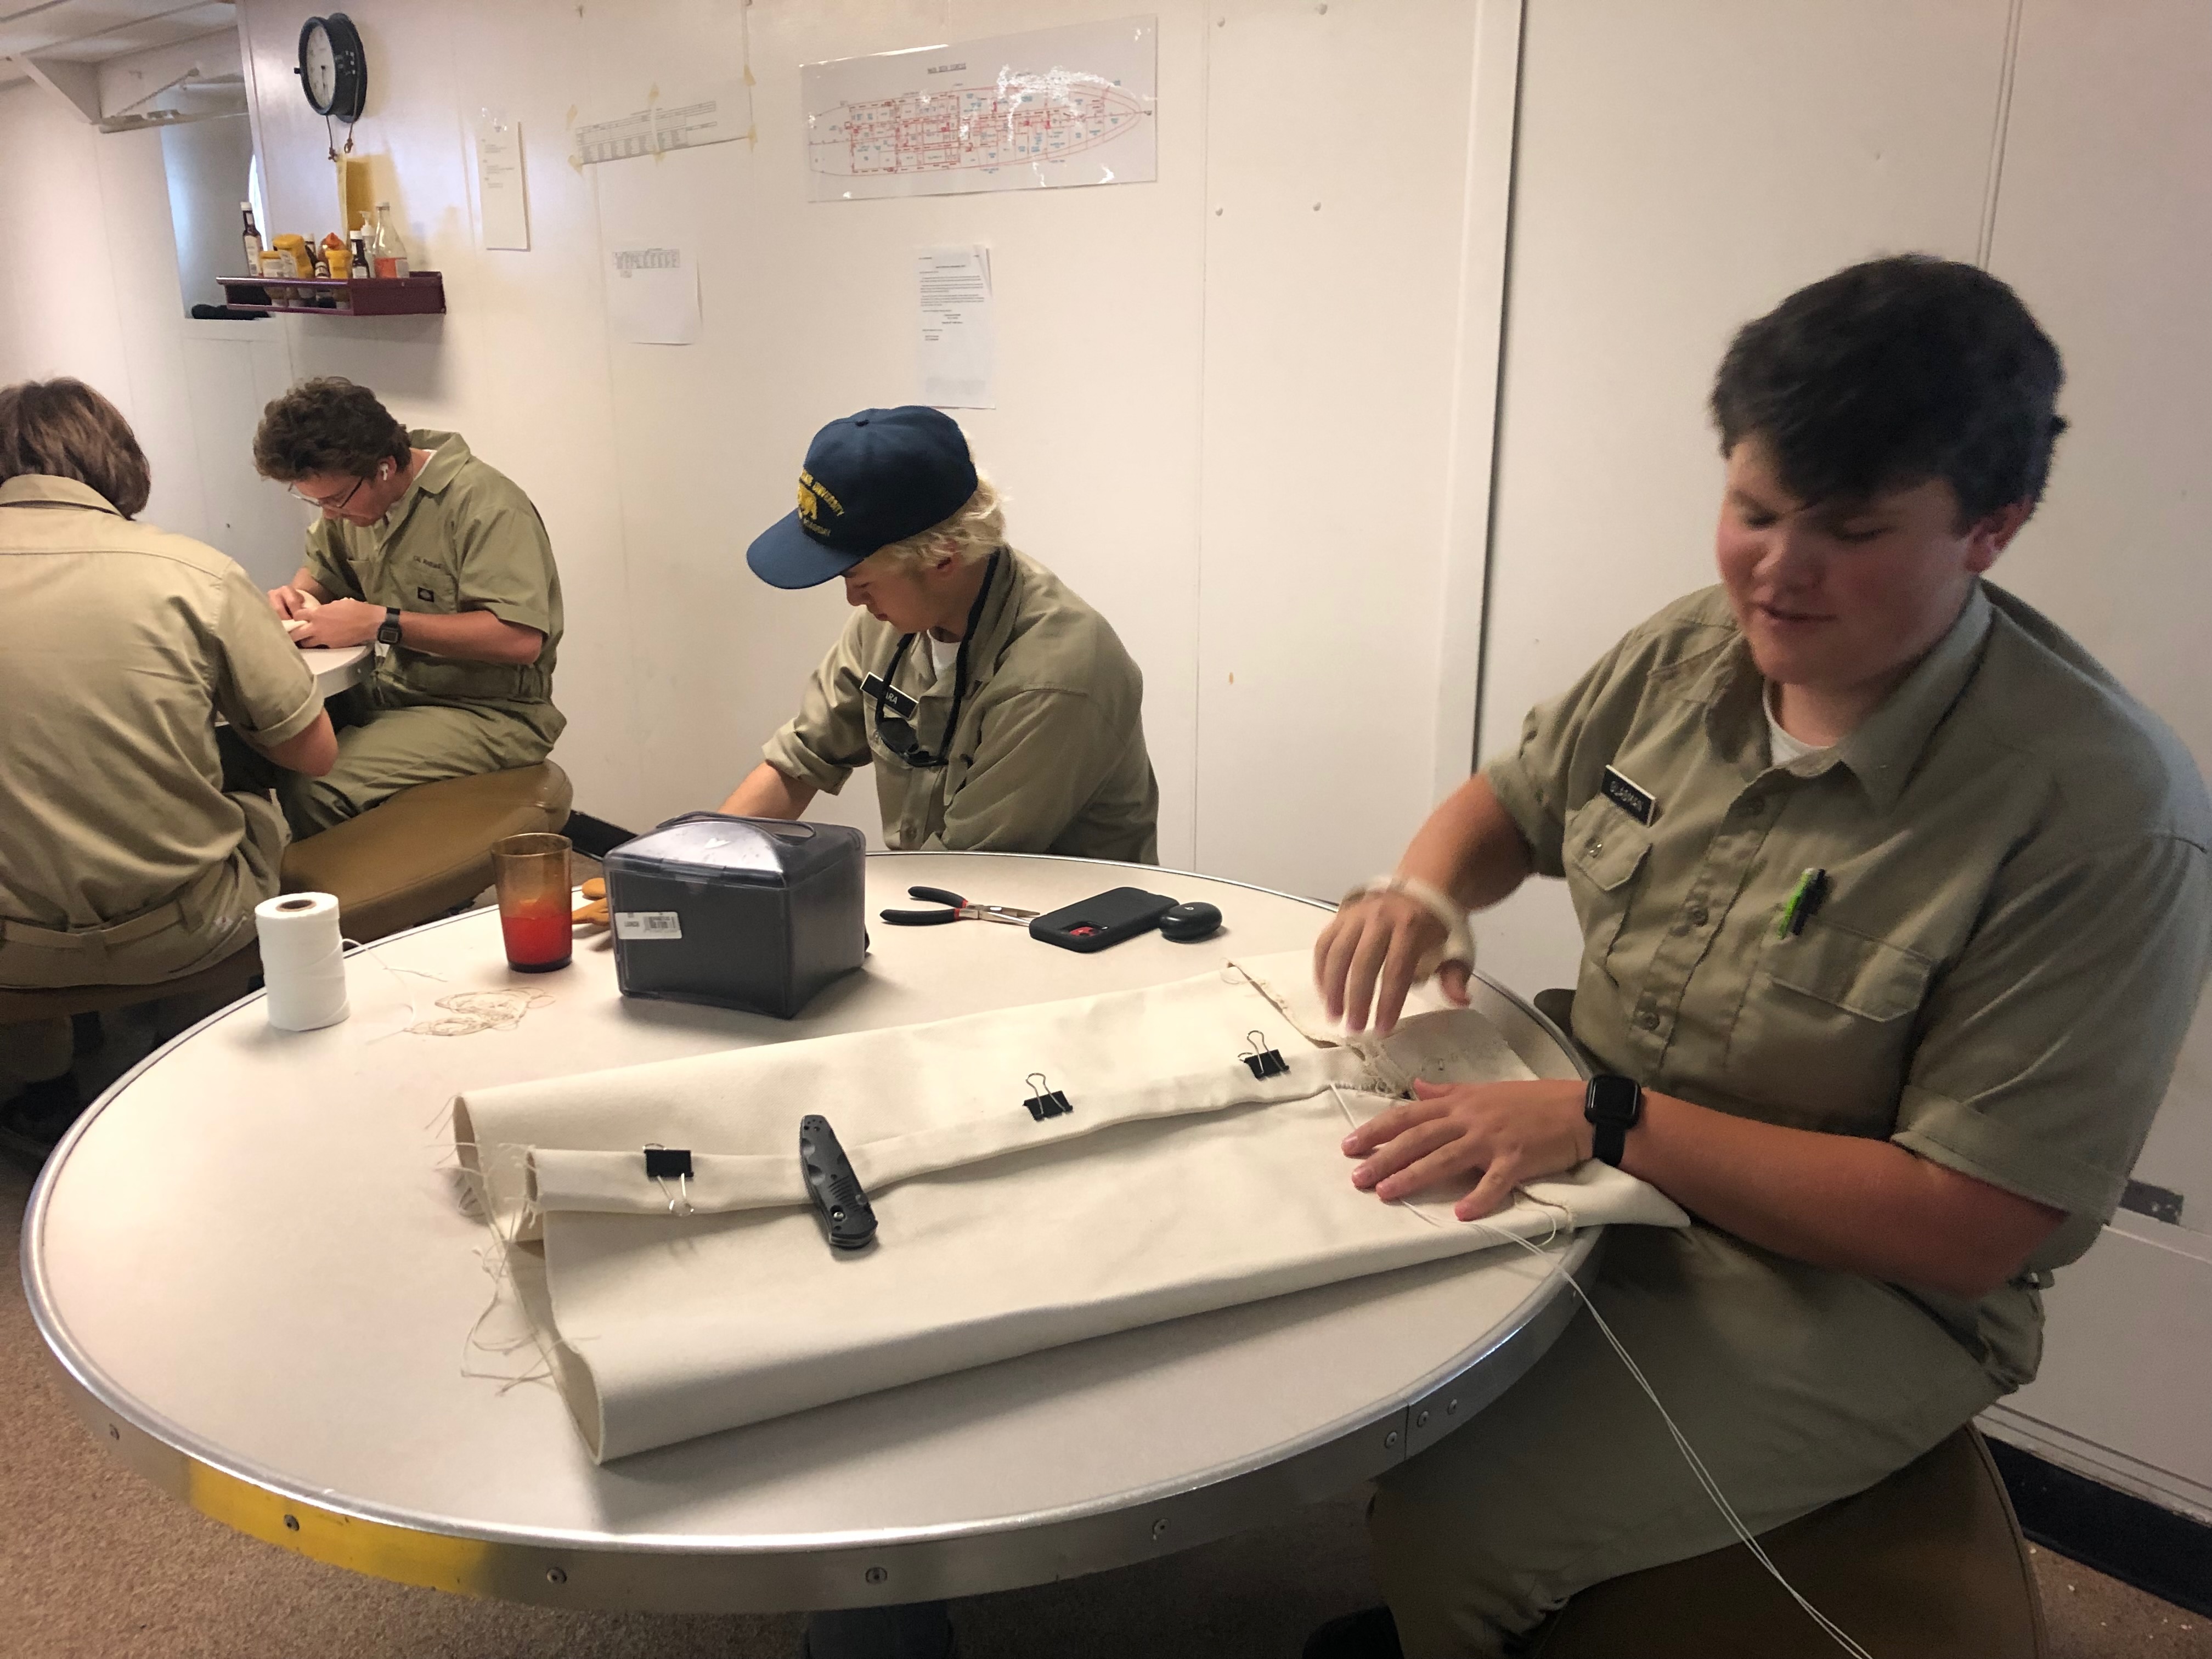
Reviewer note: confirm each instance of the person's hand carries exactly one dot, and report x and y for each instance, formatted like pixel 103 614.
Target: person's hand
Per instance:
pixel 1511 1132
pixel 340 622
pixel 1370 952
pixel 289 602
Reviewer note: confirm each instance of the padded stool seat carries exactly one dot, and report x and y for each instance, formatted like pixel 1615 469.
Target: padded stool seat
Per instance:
pixel 427 849
pixel 407 860
pixel 1930 1562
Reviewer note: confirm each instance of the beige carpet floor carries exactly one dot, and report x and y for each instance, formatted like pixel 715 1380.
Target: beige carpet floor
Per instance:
pixel 96 1564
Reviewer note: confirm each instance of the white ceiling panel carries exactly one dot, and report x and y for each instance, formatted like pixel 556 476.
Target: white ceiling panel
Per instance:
pixel 89 30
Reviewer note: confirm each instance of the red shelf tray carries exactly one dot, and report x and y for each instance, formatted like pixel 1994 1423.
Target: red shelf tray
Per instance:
pixel 421 295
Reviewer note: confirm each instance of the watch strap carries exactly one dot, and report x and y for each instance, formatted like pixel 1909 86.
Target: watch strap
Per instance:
pixel 1612 1106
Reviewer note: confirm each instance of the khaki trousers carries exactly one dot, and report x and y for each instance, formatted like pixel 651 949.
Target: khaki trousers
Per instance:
pixel 1797 1385
pixel 382 751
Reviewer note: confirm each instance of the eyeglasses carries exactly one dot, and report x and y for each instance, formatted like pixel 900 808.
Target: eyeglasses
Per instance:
pixel 317 501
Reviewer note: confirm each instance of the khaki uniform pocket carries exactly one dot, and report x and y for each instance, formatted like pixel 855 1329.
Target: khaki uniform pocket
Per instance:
pixel 1604 850
pixel 1827 1027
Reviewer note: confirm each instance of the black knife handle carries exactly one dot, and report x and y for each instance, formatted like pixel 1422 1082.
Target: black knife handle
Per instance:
pixel 836 1191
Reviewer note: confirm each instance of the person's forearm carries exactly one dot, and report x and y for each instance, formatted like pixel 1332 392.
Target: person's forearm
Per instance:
pixel 312 751
pixel 1860 1205
pixel 1469 847
pixel 769 793
pixel 306 582
pixel 470 636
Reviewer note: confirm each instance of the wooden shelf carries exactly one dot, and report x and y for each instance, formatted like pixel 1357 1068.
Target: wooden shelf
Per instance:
pixel 421 295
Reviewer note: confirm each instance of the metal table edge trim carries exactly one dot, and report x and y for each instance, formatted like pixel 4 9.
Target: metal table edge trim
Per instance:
pixel 511 1562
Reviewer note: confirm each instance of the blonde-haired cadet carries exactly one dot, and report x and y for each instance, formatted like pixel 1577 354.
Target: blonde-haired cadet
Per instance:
pixel 1000 712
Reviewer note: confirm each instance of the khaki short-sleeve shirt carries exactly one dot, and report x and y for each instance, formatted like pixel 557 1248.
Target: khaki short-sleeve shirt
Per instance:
pixel 1049 756
pixel 463 537
pixel 2017 925
pixel 118 645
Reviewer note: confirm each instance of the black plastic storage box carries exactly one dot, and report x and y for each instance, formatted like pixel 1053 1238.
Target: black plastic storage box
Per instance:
pixel 743 913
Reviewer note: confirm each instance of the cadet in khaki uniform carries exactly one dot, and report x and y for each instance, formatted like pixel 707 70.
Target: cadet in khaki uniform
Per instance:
pixel 1000 711
pixel 123 861
pixel 441 562
pixel 1894 909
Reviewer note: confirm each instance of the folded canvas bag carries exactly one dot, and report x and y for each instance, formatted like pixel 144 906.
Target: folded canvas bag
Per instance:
pixel 1181 1180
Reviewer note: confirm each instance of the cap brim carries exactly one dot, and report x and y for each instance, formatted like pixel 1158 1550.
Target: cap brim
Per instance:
pixel 785 555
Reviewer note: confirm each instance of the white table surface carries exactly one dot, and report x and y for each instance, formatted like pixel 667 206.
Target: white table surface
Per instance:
pixel 250 1259
pixel 336 666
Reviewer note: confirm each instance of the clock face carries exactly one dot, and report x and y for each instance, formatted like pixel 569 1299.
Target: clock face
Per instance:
pixel 319 66
pixel 333 71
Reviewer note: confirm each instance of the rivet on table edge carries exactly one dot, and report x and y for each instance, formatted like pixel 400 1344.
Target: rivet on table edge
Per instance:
pixel 1160 1528
pixel 557 1575
pixel 1391 1438
pixel 876 1575
pixel 291 1523
pixel 1450 1405
pixel 1422 1421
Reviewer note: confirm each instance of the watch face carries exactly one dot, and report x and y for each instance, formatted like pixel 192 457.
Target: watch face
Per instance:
pixel 1613 1099
pixel 319 66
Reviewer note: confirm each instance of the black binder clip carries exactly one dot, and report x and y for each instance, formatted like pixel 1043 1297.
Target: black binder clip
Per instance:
pixel 1045 1102
pixel 666 1164
pixel 1265 1062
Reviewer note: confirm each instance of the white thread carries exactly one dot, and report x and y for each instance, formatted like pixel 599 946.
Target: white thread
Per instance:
pixel 303 961
pixel 1704 1478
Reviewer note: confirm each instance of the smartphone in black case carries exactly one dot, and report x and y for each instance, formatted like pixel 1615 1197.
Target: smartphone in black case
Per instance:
pixel 1104 919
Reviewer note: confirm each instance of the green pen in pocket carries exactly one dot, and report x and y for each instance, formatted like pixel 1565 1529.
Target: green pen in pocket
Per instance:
pixel 1804 898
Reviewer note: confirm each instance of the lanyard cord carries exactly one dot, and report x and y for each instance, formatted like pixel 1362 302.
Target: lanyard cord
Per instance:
pixel 917 756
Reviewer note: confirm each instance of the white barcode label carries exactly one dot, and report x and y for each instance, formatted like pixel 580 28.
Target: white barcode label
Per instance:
pixel 648 924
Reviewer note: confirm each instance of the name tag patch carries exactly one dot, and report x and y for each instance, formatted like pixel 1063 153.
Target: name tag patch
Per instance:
pixel 1631 797
pixel 425 595
pixel 894 700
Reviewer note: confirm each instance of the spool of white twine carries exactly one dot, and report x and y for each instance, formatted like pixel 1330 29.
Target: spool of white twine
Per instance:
pixel 303 959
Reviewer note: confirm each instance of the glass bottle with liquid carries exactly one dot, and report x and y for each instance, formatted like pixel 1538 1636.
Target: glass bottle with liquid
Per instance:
pixel 251 240
pixel 387 254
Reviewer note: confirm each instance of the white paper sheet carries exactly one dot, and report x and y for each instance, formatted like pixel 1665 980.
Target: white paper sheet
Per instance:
pixel 712 115
pixel 500 193
pixel 653 295
pixel 958 351
pixel 1071 106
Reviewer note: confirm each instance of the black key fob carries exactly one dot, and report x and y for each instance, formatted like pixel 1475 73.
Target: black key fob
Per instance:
pixel 838 1198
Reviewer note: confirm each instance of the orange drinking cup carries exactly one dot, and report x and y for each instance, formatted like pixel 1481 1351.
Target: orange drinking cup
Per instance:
pixel 532 875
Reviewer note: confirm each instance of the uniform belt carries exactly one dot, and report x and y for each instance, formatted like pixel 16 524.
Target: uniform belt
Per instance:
pixel 170 914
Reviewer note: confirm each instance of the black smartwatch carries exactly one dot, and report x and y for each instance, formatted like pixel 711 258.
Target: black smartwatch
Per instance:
pixel 388 631
pixel 1612 1106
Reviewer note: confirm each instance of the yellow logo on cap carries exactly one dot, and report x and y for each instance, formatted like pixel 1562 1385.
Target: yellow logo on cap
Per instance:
pixel 812 498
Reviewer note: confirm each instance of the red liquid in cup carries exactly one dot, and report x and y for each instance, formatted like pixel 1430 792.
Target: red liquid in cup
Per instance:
pixel 539 939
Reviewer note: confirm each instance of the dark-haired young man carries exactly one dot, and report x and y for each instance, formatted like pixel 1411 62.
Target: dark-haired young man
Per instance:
pixel 1894 906
pixel 440 562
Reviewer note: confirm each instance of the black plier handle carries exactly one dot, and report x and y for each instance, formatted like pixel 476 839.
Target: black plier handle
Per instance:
pixel 958 909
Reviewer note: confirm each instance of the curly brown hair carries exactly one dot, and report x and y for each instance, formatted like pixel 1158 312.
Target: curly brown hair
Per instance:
pixel 64 429
pixel 327 425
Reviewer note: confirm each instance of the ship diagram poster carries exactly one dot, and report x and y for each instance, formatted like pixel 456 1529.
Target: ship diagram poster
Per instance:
pixel 1038 111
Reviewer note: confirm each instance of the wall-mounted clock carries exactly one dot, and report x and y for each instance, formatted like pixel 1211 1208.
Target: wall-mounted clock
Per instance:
pixel 333 68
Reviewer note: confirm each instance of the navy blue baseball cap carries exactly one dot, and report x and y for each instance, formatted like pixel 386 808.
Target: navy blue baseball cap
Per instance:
pixel 870 479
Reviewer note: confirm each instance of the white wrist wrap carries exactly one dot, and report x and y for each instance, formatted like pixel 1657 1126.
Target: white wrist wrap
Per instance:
pixel 1459 938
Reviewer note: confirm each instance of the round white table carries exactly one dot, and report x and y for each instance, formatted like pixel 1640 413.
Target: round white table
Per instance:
pixel 336 666
pixel 252 1259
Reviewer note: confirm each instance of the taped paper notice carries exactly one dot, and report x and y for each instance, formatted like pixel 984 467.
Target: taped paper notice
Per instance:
pixel 718 114
pixel 959 338
pixel 653 295
pixel 500 190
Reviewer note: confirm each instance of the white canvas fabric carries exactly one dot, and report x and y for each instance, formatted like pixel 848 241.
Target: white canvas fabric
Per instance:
pixel 1178 1183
